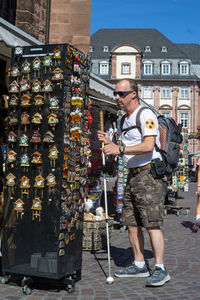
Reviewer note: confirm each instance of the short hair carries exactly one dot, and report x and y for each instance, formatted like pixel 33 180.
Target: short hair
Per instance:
pixel 133 84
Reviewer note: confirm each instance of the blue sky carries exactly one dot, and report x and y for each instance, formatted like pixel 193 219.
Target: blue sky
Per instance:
pixel 178 20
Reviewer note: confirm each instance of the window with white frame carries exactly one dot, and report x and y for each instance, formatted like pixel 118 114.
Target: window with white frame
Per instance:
pixel 166 114
pixel 126 68
pixel 103 68
pixel 184 92
pixel 164 49
pixel 166 92
pixel 147 49
pixel 148 68
pixel 165 68
pixel 148 92
pixel 184 119
pixel 105 49
pixel 184 68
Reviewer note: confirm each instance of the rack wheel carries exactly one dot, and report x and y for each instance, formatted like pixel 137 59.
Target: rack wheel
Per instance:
pixel 70 288
pixel 26 290
pixel 5 279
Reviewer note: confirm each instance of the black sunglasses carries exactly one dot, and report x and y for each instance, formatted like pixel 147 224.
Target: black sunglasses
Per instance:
pixel 121 93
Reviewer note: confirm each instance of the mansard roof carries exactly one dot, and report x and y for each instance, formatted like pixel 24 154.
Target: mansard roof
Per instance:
pixel 192 51
pixel 139 38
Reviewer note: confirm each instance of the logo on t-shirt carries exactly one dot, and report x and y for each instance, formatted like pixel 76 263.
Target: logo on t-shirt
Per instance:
pixel 149 124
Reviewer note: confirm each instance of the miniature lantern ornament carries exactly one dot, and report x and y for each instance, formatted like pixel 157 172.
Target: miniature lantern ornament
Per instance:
pixel 25 69
pixel 48 137
pixel 24 186
pixel 36 158
pixel 39 185
pixel 52 120
pixel 47 88
pixel 57 54
pixel 14 87
pixel 54 103
pixel 36 86
pixel 19 207
pixel 25 101
pixel 13 100
pixel 36 208
pixel 51 182
pixel 47 63
pixel 25 120
pixel 10 183
pixel 58 76
pixel 53 155
pixel 24 162
pixel 36 64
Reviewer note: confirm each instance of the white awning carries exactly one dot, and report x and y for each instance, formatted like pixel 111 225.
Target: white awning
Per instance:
pixel 13 36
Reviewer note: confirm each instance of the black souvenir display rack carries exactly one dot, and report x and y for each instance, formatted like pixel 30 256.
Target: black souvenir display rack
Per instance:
pixel 46 165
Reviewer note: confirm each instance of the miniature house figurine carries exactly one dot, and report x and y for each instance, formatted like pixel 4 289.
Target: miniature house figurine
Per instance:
pixel 54 103
pixel 36 139
pixel 13 120
pixel 10 183
pixel 19 207
pixel 25 69
pixel 52 120
pixel 25 119
pixel 47 88
pixel 13 100
pixel 53 155
pixel 47 63
pixel 14 87
pixel 11 156
pixel 57 54
pixel 36 158
pixel 12 137
pixel 38 100
pixel 36 64
pixel 24 161
pixel 36 86
pixel 48 137
pixel 24 85
pixel 24 185
pixel 58 76
pixel 23 141
pixel 37 118
pixel 25 100
pixel 39 184
pixel 36 208
pixel 15 72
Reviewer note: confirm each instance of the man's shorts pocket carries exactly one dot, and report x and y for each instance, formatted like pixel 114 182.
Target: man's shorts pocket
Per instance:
pixel 155 213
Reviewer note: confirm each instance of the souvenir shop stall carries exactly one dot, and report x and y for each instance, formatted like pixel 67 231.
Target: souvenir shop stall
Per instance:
pixel 47 157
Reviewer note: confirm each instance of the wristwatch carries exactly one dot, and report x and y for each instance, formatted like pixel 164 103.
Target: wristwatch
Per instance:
pixel 122 149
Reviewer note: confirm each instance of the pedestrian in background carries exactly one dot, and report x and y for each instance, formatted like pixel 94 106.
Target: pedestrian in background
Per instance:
pixel 196 225
pixel 144 195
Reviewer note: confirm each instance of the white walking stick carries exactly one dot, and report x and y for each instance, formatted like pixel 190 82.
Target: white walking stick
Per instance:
pixel 109 279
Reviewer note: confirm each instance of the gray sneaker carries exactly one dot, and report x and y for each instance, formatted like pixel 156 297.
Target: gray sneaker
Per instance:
pixel 133 271
pixel 158 277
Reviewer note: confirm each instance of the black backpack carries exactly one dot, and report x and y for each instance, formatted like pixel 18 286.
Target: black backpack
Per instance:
pixel 170 138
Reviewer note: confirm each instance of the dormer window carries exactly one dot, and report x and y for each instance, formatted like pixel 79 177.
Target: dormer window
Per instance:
pixel 91 49
pixel 105 49
pixel 148 68
pixel 184 68
pixel 165 68
pixel 147 49
pixel 164 49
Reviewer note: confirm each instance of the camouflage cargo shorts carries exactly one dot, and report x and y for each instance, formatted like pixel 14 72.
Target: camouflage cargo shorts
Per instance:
pixel 143 199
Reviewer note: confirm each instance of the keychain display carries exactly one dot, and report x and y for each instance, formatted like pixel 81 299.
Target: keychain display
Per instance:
pixel 48 144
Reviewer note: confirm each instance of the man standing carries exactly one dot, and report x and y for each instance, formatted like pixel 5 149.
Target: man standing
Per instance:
pixel 144 194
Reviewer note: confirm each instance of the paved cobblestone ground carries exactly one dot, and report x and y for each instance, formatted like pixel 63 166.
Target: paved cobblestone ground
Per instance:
pixel 182 259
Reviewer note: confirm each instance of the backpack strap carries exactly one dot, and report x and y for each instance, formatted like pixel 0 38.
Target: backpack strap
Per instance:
pixel 138 123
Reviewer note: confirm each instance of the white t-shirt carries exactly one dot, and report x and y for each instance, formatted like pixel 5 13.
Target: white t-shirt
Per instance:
pixel 149 126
